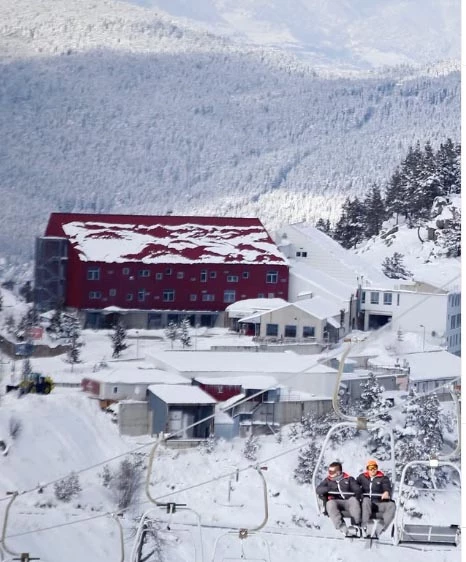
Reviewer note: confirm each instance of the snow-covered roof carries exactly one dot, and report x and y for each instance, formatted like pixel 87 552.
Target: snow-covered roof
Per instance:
pixel 167 239
pixel 258 382
pixel 135 375
pixel 249 306
pixel 327 256
pixel 178 394
pixel 432 365
pixel 232 362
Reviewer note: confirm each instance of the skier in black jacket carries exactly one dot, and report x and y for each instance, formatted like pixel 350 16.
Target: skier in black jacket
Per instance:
pixel 377 493
pixel 341 492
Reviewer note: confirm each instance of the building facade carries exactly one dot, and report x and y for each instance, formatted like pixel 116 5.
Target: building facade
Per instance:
pixel 155 269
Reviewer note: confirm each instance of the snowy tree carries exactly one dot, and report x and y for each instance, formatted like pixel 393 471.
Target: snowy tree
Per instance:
pixel 208 446
pixel 26 292
pixel 118 339
pixel 55 327
pixel 251 448
pixel 349 230
pixel 172 332
pixel 27 369
pixel 374 211
pixel 376 409
pixel 184 333
pixel 448 239
pixel 10 324
pixel 324 226
pixel 307 460
pixel 66 489
pixel 126 482
pixel 449 167
pixel 25 324
pixel 394 268
pixel 72 329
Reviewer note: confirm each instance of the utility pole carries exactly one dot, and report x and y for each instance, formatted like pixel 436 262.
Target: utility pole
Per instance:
pixel 25 557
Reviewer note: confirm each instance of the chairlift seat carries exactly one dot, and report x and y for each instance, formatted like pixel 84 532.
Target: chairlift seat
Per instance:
pixel 432 534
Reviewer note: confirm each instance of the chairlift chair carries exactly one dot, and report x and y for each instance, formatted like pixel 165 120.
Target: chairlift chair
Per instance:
pixel 426 533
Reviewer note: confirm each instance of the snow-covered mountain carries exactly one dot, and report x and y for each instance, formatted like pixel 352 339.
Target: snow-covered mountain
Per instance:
pixel 337 34
pixel 110 107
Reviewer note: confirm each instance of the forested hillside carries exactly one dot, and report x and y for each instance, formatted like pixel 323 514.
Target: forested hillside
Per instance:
pixel 115 109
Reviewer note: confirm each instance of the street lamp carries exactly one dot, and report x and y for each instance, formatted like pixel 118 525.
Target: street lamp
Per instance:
pixel 423 336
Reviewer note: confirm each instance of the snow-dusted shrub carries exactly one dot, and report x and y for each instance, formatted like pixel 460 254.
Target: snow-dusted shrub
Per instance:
pixel 67 488
pixel 126 482
pixel 251 448
pixel 15 427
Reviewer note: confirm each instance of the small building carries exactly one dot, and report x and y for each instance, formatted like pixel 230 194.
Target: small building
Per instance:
pixel 126 381
pixel 175 408
pixel 314 319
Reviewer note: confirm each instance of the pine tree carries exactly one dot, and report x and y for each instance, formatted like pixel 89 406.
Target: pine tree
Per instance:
pixel 449 167
pixel 172 332
pixel 394 267
pixel 449 238
pixel 349 230
pixel 251 447
pixel 184 333
pixel 55 327
pixel 375 213
pixel 375 408
pixel 324 226
pixel 395 196
pixel 307 460
pixel 118 339
pixel 27 369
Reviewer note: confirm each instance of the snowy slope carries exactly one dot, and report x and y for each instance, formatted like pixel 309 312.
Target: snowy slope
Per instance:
pixel 337 34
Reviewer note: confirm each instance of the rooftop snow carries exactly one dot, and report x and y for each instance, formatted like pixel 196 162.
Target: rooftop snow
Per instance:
pixel 138 376
pixel 187 241
pixel 258 382
pixel 177 394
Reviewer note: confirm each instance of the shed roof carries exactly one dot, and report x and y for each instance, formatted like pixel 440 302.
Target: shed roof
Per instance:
pixel 181 394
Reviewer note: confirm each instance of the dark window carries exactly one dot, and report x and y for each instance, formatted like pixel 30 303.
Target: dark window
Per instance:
pixel 169 295
pixel 213 274
pixel 232 278
pixel 290 331
pixel 159 276
pixel 180 275
pixel 398 299
pixel 309 331
pixel 208 298
pixel 193 298
pixel 271 277
pixel 363 296
pixel 141 295
pixel 144 273
pixel 374 297
pixel 93 295
pixel 93 274
pixel 271 330
pixel 245 274
pixel 126 271
pixel 168 271
pixel 129 297
pixel 204 275
pixel 112 293
pixel 387 298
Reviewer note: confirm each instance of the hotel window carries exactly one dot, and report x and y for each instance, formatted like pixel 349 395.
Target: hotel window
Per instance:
pixel 141 295
pixel 374 297
pixel 158 276
pixel 168 271
pixel 169 295
pixel 271 330
pixel 232 279
pixel 387 298
pixel 309 331
pixel 229 296
pixel 112 293
pixel 93 274
pixel 203 275
pixel 245 274
pixel 271 277
pixel 213 274
pixel 180 275
pixel 193 298
pixel 144 273
pixel 129 297
pixel 93 295
pixel 125 271
pixel 208 298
